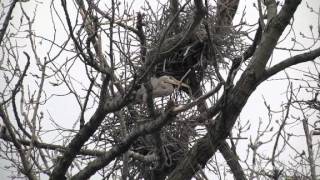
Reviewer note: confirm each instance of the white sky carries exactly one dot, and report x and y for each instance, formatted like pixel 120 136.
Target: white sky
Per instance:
pixel 64 110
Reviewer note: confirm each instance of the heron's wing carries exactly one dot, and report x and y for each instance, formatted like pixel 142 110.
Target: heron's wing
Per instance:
pixel 163 86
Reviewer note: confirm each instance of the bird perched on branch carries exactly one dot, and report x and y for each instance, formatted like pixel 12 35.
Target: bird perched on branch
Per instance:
pixel 161 86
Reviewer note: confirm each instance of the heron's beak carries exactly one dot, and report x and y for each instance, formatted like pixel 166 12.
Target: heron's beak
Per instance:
pixel 176 82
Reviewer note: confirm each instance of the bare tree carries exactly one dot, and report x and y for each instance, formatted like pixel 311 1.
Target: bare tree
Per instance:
pixel 154 94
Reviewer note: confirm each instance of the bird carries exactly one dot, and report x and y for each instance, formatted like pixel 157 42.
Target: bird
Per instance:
pixel 161 86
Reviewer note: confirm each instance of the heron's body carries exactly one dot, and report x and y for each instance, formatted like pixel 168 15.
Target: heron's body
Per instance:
pixel 162 86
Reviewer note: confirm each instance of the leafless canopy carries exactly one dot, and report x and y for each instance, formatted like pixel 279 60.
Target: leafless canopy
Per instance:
pixel 69 103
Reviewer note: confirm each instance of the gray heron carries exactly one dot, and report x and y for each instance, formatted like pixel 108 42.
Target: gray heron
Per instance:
pixel 161 86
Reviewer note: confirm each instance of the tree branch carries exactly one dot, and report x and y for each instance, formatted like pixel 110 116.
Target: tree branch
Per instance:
pixel 119 23
pixel 86 132
pixel 6 20
pixel 235 99
pixel 232 161
pixel 226 10
pixel 270 37
pixel 14 93
pixel 26 166
pixel 308 56
pixel 125 144
pixel 86 152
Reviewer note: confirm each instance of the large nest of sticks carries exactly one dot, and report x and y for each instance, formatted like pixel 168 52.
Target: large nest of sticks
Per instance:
pixel 207 49
pixel 186 62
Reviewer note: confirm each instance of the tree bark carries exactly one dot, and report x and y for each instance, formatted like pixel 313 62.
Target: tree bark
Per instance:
pixel 232 161
pixel 234 100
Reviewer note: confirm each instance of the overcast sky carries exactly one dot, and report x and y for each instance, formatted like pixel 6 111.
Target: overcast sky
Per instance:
pixel 63 109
